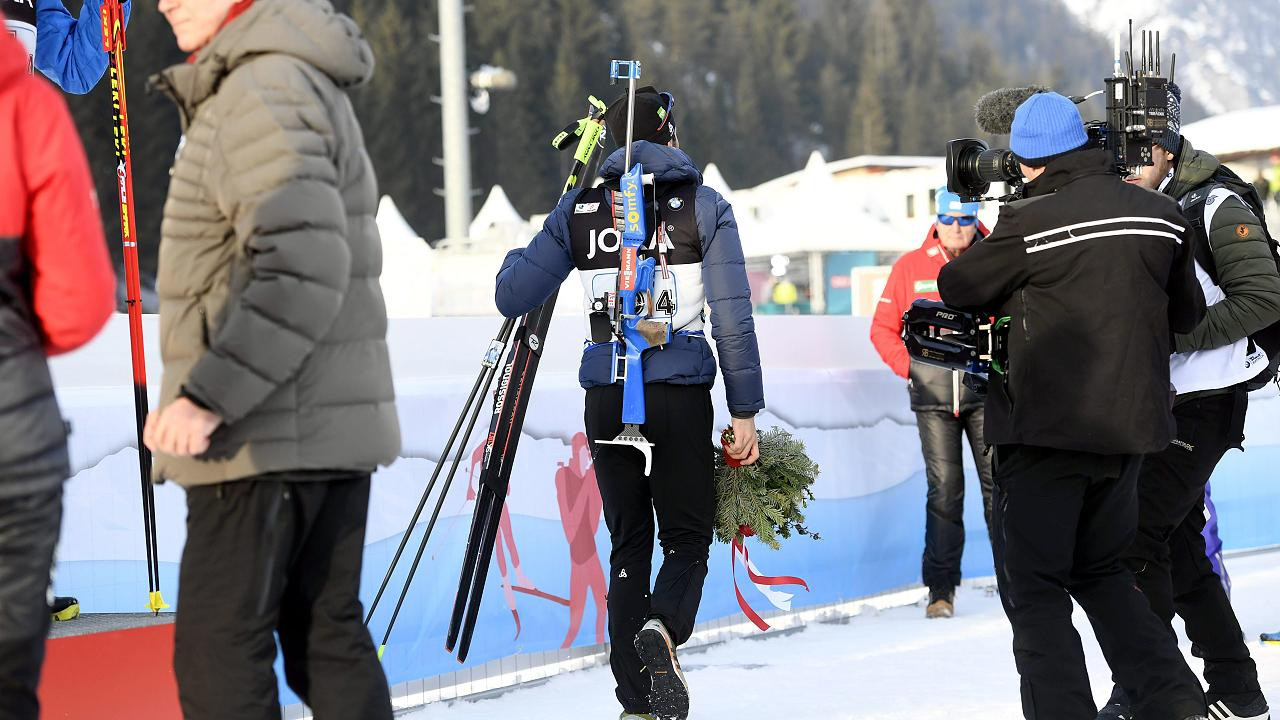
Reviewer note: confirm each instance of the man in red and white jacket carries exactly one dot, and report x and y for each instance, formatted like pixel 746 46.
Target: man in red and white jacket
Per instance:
pixel 945 409
pixel 57 290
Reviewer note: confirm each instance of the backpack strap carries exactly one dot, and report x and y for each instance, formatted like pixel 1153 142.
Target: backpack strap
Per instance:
pixel 1193 206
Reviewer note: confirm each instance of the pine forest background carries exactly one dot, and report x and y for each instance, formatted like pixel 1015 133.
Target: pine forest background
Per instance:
pixel 760 84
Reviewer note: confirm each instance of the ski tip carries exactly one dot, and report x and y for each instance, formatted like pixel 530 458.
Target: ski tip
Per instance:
pixel 381 649
pixel 156 603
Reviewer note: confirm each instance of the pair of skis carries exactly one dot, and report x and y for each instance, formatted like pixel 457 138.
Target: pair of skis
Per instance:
pixel 113 43
pixel 510 403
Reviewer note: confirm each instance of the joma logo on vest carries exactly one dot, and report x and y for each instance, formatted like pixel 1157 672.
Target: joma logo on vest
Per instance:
pixel 609 240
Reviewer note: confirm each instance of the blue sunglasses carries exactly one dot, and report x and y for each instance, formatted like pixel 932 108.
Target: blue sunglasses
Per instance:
pixel 965 221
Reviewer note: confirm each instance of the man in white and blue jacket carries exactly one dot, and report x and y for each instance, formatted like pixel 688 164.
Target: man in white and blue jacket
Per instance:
pixel 699 248
pixel 67 49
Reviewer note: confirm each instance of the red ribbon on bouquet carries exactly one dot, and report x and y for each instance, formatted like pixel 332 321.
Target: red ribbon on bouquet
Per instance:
pixel 739 548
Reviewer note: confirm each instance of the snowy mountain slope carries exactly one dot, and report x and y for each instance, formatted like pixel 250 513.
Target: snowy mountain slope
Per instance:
pixel 1227 52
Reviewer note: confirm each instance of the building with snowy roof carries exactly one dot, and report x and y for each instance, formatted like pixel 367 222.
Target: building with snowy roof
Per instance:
pixel 817 240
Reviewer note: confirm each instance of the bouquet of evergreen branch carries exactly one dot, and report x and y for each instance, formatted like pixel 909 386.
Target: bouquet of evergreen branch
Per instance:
pixel 767 497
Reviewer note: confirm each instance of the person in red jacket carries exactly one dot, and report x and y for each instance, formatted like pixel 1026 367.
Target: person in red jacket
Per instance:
pixel 945 409
pixel 57 290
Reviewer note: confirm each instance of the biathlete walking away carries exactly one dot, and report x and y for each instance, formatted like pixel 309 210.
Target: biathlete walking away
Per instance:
pixel 696 241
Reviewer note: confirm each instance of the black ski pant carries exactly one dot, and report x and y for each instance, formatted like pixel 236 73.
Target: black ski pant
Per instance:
pixel 29 526
pixel 1168 556
pixel 1062 522
pixel 681 491
pixel 940 438
pixel 277 555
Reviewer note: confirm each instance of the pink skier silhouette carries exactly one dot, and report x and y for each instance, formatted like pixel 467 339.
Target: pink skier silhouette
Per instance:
pixel 580 512
pixel 505 537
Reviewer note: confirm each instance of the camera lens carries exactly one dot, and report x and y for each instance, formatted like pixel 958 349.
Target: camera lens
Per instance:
pixel 972 167
pixel 997 165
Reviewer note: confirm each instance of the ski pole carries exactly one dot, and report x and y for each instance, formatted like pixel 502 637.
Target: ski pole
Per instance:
pixel 472 407
pixel 435 515
pixel 113 43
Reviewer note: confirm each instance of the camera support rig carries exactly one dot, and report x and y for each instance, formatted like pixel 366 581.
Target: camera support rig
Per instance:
pixel 938 335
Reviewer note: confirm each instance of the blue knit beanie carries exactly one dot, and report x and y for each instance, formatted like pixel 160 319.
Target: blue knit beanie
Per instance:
pixel 949 202
pixel 1045 126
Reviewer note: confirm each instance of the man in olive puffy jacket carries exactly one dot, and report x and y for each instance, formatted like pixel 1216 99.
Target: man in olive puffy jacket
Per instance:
pixel 1209 371
pixel 277 402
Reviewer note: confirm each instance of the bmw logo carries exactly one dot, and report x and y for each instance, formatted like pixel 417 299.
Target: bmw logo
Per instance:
pixel 675 203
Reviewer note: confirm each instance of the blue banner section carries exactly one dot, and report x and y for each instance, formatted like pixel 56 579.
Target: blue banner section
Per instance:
pixel 549 577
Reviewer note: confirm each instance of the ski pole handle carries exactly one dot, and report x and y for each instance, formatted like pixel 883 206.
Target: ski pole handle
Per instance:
pixel 113 37
pixel 589 130
pixel 571 132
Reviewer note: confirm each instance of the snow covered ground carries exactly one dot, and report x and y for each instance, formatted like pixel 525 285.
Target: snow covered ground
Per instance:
pixel 888 666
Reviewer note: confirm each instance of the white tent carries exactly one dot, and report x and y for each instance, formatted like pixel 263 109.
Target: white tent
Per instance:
pixel 712 178
pixel 406 264
pixel 496 215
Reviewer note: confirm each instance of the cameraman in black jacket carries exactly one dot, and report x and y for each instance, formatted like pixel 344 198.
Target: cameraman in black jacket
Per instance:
pixel 1096 274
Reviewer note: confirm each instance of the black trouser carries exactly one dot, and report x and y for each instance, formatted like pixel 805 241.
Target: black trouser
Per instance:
pixel 270 556
pixel 682 492
pixel 940 435
pixel 1168 556
pixel 1062 521
pixel 29 527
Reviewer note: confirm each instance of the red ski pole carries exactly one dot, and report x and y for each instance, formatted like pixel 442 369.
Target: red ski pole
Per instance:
pixel 113 43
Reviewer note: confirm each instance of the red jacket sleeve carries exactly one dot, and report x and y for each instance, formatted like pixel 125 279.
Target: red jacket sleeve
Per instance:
pixel 886 324
pixel 72 282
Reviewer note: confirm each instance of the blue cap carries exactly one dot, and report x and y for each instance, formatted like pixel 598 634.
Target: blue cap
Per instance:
pixel 949 202
pixel 1045 126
